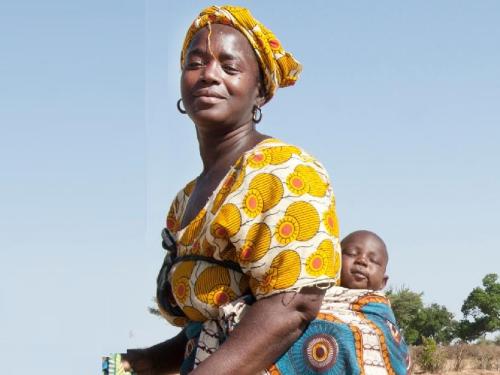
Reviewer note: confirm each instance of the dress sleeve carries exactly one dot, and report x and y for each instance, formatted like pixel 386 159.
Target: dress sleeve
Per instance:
pixel 280 217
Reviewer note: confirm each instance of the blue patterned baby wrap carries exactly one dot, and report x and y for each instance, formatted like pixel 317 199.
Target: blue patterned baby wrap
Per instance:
pixel 354 333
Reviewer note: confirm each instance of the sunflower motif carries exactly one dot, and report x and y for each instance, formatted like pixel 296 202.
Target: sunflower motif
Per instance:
pixel 227 222
pixel 283 273
pixel 330 221
pixel 180 280
pixel 287 230
pixel 193 229
pixel 256 243
pixel 307 218
pixel 324 261
pixel 181 289
pixel 281 154
pixel 332 258
pixel 270 189
pixel 212 279
pixel 268 281
pixel 316 264
pixel 259 159
pixel 253 203
pixel 334 270
pixel 220 295
pixel 297 184
pixel 317 187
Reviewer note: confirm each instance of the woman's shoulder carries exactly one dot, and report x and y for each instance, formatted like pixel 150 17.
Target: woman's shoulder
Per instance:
pixel 274 152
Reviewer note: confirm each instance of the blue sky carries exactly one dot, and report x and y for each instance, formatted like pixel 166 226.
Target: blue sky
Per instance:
pixel 399 100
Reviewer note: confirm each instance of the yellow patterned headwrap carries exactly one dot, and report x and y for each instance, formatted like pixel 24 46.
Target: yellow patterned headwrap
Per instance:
pixel 279 67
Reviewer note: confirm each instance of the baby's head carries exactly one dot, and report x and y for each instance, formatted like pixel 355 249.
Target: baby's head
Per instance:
pixel 364 261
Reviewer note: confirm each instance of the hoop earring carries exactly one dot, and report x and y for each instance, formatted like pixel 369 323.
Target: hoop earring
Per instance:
pixel 179 108
pixel 257 114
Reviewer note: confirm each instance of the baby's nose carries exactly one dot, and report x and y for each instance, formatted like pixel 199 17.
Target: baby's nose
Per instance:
pixel 361 259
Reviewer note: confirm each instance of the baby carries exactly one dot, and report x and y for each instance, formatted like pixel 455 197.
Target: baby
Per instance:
pixel 364 261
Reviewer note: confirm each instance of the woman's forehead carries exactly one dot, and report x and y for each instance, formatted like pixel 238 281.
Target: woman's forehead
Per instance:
pixel 223 38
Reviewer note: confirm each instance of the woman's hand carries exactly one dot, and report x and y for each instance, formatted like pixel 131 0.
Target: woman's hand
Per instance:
pixel 265 332
pixel 160 359
pixel 138 360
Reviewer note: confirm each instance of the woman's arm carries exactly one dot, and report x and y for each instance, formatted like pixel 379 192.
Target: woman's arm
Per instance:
pixel 160 359
pixel 266 331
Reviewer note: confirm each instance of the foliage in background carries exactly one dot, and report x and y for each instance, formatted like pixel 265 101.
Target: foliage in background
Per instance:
pixel 431 359
pixel 481 310
pixel 417 321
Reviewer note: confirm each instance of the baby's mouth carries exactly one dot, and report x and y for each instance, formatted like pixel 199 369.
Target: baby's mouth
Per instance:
pixel 358 276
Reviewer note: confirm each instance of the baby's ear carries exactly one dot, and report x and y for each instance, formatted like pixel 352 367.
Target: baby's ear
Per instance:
pixel 384 281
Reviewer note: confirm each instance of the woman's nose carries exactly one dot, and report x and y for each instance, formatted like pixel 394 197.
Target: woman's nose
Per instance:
pixel 211 72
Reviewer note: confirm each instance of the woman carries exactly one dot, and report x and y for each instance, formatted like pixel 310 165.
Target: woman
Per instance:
pixel 253 240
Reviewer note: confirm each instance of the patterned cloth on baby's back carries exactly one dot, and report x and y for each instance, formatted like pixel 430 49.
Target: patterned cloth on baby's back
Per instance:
pixel 354 333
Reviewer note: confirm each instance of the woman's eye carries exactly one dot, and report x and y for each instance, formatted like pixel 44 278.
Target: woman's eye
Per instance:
pixel 230 68
pixel 194 64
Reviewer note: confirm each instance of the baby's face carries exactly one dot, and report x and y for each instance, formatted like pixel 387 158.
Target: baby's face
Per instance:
pixel 364 260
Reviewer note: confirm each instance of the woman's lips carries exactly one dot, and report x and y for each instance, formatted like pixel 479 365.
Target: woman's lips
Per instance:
pixel 209 99
pixel 207 94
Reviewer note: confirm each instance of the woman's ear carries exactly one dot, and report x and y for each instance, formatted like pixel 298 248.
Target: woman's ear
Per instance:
pixel 261 94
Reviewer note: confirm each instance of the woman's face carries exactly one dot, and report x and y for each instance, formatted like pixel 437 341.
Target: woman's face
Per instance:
pixel 220 78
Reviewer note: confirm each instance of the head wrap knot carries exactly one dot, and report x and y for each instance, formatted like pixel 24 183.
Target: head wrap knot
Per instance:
pixel 279 67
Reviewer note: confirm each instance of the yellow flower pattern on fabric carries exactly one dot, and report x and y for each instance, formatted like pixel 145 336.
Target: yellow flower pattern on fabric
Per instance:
pixel 305 179
pixel 180 280
pixel 330 221
pixel 273 215
pixel 324 261
pixel 227 222
pixel 223 192
pixel 306 217
pixel 283 273
pixel 212 286
pixel 253 203
pixel 193 229
pixel 259 159
pixel 256 243
pixel 287 230
pixel 280 155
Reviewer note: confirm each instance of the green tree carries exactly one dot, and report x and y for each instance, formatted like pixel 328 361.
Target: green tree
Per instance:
pixel 436 322
pixel 481 310
pixel 417 321
pixel 406 305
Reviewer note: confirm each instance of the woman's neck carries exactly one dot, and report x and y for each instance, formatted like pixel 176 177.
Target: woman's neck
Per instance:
pixel 219 150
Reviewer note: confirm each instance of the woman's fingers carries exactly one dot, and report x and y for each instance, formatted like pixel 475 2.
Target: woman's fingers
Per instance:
pixel 137 360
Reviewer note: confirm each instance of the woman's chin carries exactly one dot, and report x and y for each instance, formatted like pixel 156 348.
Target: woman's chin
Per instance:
pixel 208 116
